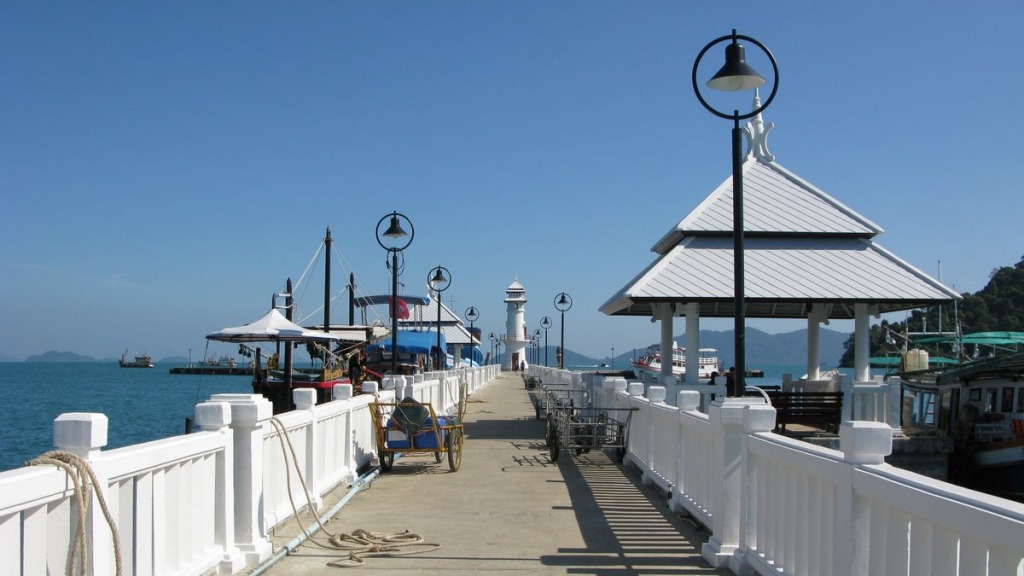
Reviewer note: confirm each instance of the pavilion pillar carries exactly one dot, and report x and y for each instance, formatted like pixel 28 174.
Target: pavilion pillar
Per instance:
pixel 692 343
pixel 667 310
pixel 861 343
pixel 814 319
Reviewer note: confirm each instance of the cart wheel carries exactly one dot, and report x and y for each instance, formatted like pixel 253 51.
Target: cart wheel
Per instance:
pixel 553 446
pixel 454 445
pixel 437 456
pixel 618 454
pixel 536 409
pixel 549 429
pixel 387 460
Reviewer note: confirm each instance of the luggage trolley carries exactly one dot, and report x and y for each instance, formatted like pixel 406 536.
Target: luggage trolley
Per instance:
pixel 409 426
pixel 581 428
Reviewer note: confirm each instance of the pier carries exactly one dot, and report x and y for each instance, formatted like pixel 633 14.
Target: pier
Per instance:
pixel 706 487
pixel 508 509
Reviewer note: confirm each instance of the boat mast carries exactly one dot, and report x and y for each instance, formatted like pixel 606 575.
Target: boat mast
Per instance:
pixel 327 283
pixel 351 298
pixel 287 345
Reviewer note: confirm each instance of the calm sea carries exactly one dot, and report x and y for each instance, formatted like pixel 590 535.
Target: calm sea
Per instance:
pixel 141 404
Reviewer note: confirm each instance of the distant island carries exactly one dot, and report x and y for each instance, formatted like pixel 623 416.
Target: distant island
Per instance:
pixel 762 348
pixel 57 357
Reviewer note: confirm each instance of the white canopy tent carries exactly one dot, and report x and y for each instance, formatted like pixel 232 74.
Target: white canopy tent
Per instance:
pixel 272 327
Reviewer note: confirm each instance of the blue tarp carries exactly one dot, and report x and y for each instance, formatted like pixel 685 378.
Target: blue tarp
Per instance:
pixel 412 342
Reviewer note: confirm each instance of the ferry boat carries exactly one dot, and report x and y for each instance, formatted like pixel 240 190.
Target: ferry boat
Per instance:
pixel 979 403
pixel 650 362
pixel 138 362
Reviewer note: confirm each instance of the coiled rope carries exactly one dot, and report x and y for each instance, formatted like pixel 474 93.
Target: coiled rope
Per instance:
pixel 84 481
pixel 359 544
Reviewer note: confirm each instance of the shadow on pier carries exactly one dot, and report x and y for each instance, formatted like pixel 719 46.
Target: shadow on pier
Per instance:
pixel 509 509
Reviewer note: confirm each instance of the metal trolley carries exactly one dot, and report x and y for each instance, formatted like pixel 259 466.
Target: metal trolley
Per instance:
pixel 572 425
pixel 412 427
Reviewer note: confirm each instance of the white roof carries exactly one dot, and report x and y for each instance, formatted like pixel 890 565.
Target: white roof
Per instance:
pixel 424 317
pixel 801 247
pixel 272 327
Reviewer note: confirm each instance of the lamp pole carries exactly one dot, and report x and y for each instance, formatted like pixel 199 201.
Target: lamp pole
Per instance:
pixel 536 335
pixel 472 315
pixel 545 323
pixel 491 338
pixel 736 75
pixel 439 279
pixel 394 241
pixel 562 303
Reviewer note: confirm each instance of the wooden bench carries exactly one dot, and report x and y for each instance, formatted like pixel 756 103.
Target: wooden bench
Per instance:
pixel 821 410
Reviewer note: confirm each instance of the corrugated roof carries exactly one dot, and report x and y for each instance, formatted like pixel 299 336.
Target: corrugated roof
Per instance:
pixel 425 318
pixel 775 202
pixel 801 247
pixel 782 278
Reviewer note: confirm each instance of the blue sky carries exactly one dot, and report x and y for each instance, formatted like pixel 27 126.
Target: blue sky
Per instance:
pixel 166 166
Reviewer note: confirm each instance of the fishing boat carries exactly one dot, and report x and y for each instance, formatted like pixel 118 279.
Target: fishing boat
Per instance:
pixel 141 361
pixel 979 403
pixel 275 373
pixel 650 362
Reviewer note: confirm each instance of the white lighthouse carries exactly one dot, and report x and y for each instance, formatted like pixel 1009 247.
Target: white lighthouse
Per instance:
pixel 516 338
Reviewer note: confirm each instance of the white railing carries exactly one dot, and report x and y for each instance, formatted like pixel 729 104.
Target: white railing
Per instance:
pixel 203 502
pixel 775 505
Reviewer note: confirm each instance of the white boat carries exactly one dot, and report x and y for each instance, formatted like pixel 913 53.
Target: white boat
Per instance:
pixel 650 362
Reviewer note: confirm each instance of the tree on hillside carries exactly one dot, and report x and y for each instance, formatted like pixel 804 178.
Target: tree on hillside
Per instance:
pixel 997 306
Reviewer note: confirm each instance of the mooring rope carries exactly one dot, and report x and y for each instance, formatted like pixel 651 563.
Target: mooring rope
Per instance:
pixel 84 480
pixel 359 544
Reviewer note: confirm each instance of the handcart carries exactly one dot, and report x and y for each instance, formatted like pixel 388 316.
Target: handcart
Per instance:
pixel 551 396
pixel 583 429
pixel 410 427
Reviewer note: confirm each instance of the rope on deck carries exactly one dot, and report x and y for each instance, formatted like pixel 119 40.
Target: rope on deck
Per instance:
pixel 358 545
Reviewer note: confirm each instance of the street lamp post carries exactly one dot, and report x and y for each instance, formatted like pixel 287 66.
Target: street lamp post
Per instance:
pixel 395 236
pixel 491 338
pixel 536 336
pixel 735 75
pixel 562 303
pixel 545 323
pixel 472 315
pixel 439 279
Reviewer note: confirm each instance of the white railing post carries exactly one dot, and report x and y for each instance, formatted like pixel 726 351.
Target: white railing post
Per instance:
pixel 756 419
pixel 84 434
pixel 305 399
pixel 727 421
pixel 861 443
pixel 895 405
pixel 216 417
pixel 249 416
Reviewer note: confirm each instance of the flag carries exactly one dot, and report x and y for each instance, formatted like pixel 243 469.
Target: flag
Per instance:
pixel 401 308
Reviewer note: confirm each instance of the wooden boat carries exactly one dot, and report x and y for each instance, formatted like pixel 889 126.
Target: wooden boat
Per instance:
pixel 979 403
pixel 141 361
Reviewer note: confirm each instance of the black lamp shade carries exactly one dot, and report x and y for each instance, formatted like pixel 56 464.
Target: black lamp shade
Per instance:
pixel 736 74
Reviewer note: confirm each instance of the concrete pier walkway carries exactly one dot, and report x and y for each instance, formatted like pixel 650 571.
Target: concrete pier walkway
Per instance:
pixel 508 509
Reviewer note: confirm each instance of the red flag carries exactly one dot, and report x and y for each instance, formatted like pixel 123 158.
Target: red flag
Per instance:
pixel 401 308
